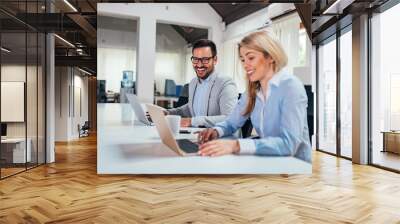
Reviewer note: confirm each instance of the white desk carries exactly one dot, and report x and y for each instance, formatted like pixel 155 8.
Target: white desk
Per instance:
pixel 19 149
pixel 124 148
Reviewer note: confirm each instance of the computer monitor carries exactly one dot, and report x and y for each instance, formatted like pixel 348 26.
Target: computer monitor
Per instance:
pixel 3 129
pixel 170 88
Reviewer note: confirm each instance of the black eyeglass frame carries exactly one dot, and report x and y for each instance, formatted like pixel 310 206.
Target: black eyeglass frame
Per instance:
pixel 204 60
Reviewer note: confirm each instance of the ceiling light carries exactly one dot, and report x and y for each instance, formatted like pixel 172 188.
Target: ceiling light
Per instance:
pixel 70 5
pixel 337 7
pixel 86 72
pixel 64 40
pixel 5 50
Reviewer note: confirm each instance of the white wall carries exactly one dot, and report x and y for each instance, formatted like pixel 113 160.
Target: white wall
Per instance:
pixel 16 72
pixel 69 84
pixel 80 114
pixel 196 15
pixel 62 82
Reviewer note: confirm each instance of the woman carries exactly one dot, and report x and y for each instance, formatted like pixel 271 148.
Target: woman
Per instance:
pixel 275 101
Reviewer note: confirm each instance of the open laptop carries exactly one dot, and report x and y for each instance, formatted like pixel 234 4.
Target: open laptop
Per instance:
pixel 183 147
pixel 138 109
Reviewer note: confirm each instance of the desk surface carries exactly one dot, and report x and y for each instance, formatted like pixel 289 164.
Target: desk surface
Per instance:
pixel 13 140
pixel 390 132
pixel 124 146
pixel 159 98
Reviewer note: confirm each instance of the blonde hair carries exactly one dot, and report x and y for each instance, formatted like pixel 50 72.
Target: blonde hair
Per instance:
pixel 267 43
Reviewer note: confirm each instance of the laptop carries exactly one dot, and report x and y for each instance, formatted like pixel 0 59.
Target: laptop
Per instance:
pixel 183 147
pixel 138 109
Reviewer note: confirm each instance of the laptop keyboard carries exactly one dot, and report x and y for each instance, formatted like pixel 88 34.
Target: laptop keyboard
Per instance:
pixel 187 146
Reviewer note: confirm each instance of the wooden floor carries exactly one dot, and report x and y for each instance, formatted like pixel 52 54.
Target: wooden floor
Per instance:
pixel 5 172
pixel 386 159
pixel 70 191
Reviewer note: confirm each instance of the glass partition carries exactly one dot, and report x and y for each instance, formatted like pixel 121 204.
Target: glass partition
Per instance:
pixel 13 95
pixel 346 93
pixel 31 98
pixel 327 97
pixel 41 97
pixel 385 89
pixel 23 87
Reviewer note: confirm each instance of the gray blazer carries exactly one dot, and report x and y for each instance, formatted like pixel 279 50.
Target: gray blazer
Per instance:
pixel 222 99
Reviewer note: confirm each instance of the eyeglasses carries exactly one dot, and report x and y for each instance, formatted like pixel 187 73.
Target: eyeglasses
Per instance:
pixel 204 60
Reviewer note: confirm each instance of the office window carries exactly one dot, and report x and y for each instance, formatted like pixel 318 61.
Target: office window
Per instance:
pixel 302 58
pixel 346 94
pixel 327 96
pixel 385 89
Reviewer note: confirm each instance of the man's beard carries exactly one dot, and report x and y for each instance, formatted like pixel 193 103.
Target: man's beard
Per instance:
pixel 207 74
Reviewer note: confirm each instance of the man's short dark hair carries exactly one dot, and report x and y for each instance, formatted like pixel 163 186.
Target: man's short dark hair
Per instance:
pixel 205 43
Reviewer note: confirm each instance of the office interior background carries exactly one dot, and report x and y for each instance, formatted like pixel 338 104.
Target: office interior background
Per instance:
pixel 55 69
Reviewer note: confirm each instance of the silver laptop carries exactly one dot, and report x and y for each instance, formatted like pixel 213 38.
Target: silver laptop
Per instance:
pixel 138 109
pixel 183 147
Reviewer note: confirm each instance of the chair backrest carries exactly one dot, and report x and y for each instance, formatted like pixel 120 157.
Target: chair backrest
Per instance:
pixel 170 88
pixel 310 110
pixel 86 125
pixel 247 128
pixel 182 100
pixel 183 97
pixel 185 90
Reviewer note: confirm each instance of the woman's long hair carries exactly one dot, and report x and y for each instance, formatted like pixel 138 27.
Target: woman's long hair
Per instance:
pixel 265 42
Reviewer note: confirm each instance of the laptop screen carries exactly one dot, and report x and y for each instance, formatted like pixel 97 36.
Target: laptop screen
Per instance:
pixel 3 129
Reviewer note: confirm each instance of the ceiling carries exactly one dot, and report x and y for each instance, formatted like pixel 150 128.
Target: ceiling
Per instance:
pixel 230 12
pixel 79 27
pixel 324 24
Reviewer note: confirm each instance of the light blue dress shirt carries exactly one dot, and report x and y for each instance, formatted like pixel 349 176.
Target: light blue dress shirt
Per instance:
pixel 280 120
pixel 200 100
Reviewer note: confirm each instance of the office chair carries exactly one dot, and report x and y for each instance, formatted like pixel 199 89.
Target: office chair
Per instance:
pixel 310 110
pixel 84 130
pixel 170 88
pixel 183 97
pixel 247 128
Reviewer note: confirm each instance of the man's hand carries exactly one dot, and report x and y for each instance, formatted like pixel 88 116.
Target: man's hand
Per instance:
pixel 186 122
pixel 207 135
pixel 219 148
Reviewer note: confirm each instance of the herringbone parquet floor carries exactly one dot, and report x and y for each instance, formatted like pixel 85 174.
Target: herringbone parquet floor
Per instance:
pixel 70 191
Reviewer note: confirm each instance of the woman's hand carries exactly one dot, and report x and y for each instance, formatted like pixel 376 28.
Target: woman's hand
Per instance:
pixel 207 135
pixel 219 147
pixel 186 122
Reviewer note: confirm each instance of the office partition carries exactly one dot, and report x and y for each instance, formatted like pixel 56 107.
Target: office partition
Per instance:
pixel 384 88
pixel 22 77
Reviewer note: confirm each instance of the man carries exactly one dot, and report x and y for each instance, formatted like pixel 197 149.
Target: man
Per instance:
pixel 211 97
